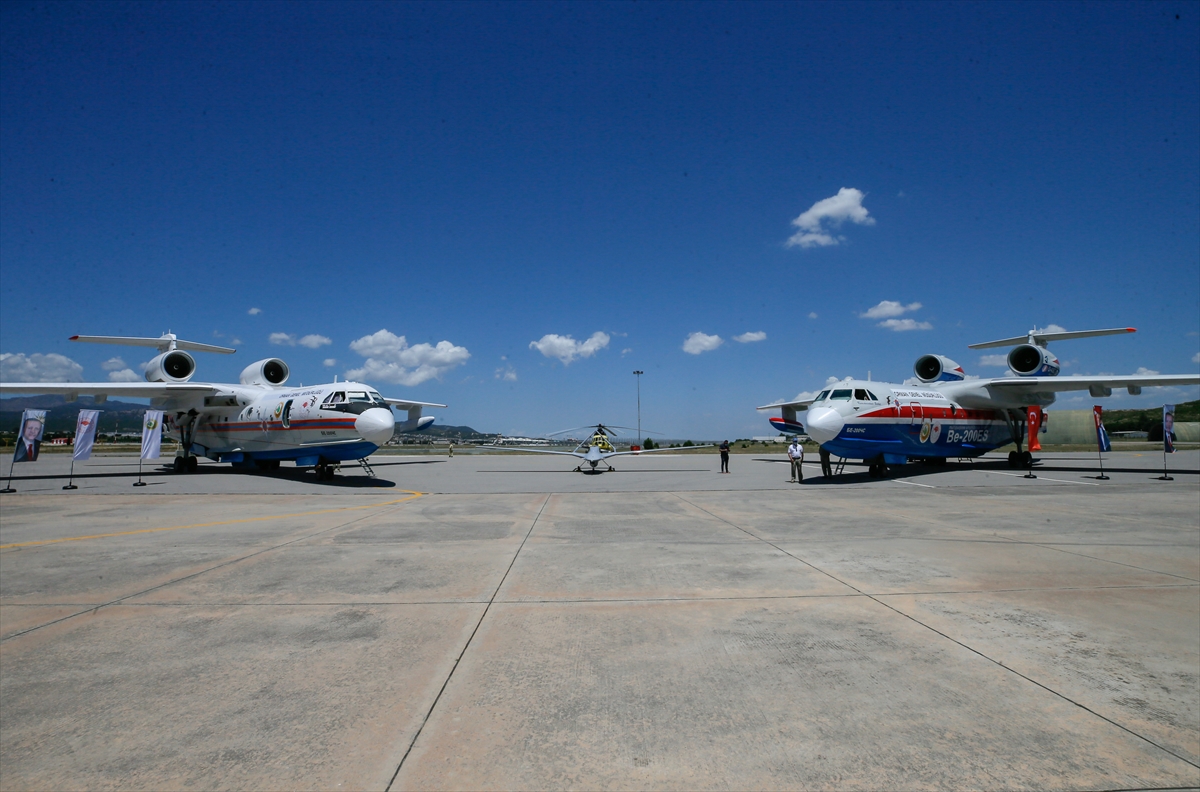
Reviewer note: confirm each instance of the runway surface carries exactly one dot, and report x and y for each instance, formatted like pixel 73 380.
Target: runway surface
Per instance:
pixel 498 622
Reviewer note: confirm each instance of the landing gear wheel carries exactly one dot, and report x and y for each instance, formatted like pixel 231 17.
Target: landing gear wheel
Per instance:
pixel 180 465
pixel 1014 459
pixel 1025 459
pixel 324 472
pixel 193 464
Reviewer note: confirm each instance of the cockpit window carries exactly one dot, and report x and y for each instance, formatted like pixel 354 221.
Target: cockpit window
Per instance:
pixel 840 395
pixel 873 396
pixel 337 397
pixel 375 397
pixel 864 395
pixel 821 396
pixel 358 396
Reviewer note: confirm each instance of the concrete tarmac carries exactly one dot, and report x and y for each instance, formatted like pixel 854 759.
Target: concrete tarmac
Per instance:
pixel 499 622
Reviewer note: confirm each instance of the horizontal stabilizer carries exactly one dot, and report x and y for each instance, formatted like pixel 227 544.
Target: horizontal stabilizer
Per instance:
pixel 1042 338
pixel 165 343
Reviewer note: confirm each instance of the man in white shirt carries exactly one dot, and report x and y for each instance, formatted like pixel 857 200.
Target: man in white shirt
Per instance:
pixel 796 454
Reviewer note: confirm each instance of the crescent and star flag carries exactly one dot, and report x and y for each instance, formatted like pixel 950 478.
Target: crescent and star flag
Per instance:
pixel 85 433
pixel 1033 419
pixel 1168 428
pixel 152 435
pixel 29 441
pixel 1102 440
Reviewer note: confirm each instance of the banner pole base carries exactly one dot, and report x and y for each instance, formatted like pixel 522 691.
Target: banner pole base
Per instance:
pixel 1101 477
pixel 7 489
pixel 70 486
pixel 139 483
pixel 1166 478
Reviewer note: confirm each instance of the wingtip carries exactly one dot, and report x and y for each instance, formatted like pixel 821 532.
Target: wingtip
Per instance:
pixel 73 338
pixel 1130 329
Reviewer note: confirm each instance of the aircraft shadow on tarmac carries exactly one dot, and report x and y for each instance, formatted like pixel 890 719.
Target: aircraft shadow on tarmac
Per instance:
pixel 303 475
pixel 602 472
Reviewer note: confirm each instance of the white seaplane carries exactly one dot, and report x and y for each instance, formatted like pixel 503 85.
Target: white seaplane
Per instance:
pixel 948 415
pixel 597 448
pixel 257 422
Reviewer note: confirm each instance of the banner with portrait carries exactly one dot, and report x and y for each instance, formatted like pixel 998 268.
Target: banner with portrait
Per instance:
pixel 29 439
pixel 1102 440
pixel 85 434
pixel 1169 428
pixel 152 434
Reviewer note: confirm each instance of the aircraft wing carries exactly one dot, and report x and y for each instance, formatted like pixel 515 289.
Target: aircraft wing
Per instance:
pixel 656 450
pixel 533 451
pixel 1058 384
pixel 803 404
pixel 137 390
pixel 405 404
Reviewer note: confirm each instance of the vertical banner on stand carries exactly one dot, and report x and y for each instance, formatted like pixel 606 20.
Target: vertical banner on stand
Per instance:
pixel 29 441
pixel 152 434
pixel 1102 441
pixel 85 433
pixel 1033 420
pixel 1169 428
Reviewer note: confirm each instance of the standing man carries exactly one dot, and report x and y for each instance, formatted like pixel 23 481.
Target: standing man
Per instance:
pixel 452 449
pixel 796 454
pixel 826 468
pixel 725 456
pixel 30 441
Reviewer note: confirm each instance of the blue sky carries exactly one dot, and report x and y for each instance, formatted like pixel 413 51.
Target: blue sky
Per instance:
pixel 475 178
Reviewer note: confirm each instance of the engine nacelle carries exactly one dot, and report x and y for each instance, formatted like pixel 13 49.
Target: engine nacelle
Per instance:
pixel 1028 360
pixel 269 371
pixel 173 366
pixel 937 368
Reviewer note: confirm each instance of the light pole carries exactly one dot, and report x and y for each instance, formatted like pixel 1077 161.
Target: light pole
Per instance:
pixel 639 394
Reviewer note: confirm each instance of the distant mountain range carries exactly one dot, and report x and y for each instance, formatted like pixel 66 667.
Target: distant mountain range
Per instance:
pixel 114 415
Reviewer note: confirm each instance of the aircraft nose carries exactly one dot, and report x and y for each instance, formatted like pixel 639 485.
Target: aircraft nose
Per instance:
pixel 823 424
pixel 375 425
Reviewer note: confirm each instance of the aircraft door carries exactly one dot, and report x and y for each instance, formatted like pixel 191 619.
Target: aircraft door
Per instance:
pixel 286 417
pixel 918 414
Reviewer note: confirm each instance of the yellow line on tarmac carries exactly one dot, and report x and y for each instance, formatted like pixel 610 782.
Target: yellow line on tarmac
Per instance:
pixel 413 496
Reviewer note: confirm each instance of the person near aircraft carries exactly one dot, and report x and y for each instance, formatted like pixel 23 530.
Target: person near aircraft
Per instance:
pixel 29 445
pixel 795 453
pixel 826 467
pixel 452 449
pixel 724 448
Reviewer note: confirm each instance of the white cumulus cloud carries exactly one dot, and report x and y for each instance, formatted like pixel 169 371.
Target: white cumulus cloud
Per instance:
pixel 312 341
pixel 565 348
pixel 254 311
pixel 1196 358
pixel 815 223
pixel 113 364
pixel 887 308
pixel 701 342
pixel 1145 372
pixel 16 367
pixel 749 338
pixel 812 314
pixel 994 360
pixel 329 362
pixel 389 358
pixel 124 375
pixel 507 373
pixel 900 325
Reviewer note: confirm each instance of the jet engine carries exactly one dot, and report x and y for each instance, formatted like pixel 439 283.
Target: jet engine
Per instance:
pixel 173 366
pixel 1028 360
pixel 937 368
pixel 269 371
